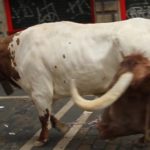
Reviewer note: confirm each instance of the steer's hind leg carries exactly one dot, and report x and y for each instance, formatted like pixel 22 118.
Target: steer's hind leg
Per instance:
pixel 58 125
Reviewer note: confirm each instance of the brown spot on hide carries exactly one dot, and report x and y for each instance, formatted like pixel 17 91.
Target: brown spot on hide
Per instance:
pixel 104 78
pixel 17 41
pixel 55 67
pixel 64 56
pixel 44 123
pixel 13 53
pixel 7 72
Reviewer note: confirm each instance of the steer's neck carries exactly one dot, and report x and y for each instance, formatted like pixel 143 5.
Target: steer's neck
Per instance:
pixel 6 69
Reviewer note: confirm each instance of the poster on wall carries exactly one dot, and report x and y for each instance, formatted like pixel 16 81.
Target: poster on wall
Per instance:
pixel 25 13
pixel 134 8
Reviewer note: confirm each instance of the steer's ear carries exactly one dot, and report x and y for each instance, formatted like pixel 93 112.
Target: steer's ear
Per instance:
pixel 7 87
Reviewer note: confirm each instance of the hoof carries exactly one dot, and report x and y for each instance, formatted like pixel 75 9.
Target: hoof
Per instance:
pixel 63 128
pixel 40 143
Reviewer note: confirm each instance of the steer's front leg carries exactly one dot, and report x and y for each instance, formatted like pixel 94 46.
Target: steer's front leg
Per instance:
pixel 44 123
pixel 43 106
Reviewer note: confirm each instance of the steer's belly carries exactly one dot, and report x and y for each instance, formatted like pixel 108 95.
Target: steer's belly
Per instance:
pixel 88 82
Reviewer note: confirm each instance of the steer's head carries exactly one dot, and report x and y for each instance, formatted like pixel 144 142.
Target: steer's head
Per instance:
pixel 127 100
pixel 130 114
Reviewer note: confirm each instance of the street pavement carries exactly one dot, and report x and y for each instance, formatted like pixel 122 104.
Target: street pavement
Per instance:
pixel 19 127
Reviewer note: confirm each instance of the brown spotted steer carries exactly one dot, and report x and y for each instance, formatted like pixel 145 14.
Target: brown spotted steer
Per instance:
pixel 44 59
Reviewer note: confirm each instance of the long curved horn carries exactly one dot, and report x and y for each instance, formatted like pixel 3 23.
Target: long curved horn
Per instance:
pixel 107 99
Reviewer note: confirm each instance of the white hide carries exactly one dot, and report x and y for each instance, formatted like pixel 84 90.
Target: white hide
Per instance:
pixel 51 54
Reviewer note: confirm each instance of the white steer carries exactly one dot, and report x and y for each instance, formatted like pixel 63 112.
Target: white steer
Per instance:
pixel 44 59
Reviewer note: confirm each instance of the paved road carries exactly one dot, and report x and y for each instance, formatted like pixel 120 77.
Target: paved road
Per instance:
pixel 19 127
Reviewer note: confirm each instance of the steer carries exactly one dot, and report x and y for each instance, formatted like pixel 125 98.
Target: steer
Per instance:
pixel 45 59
